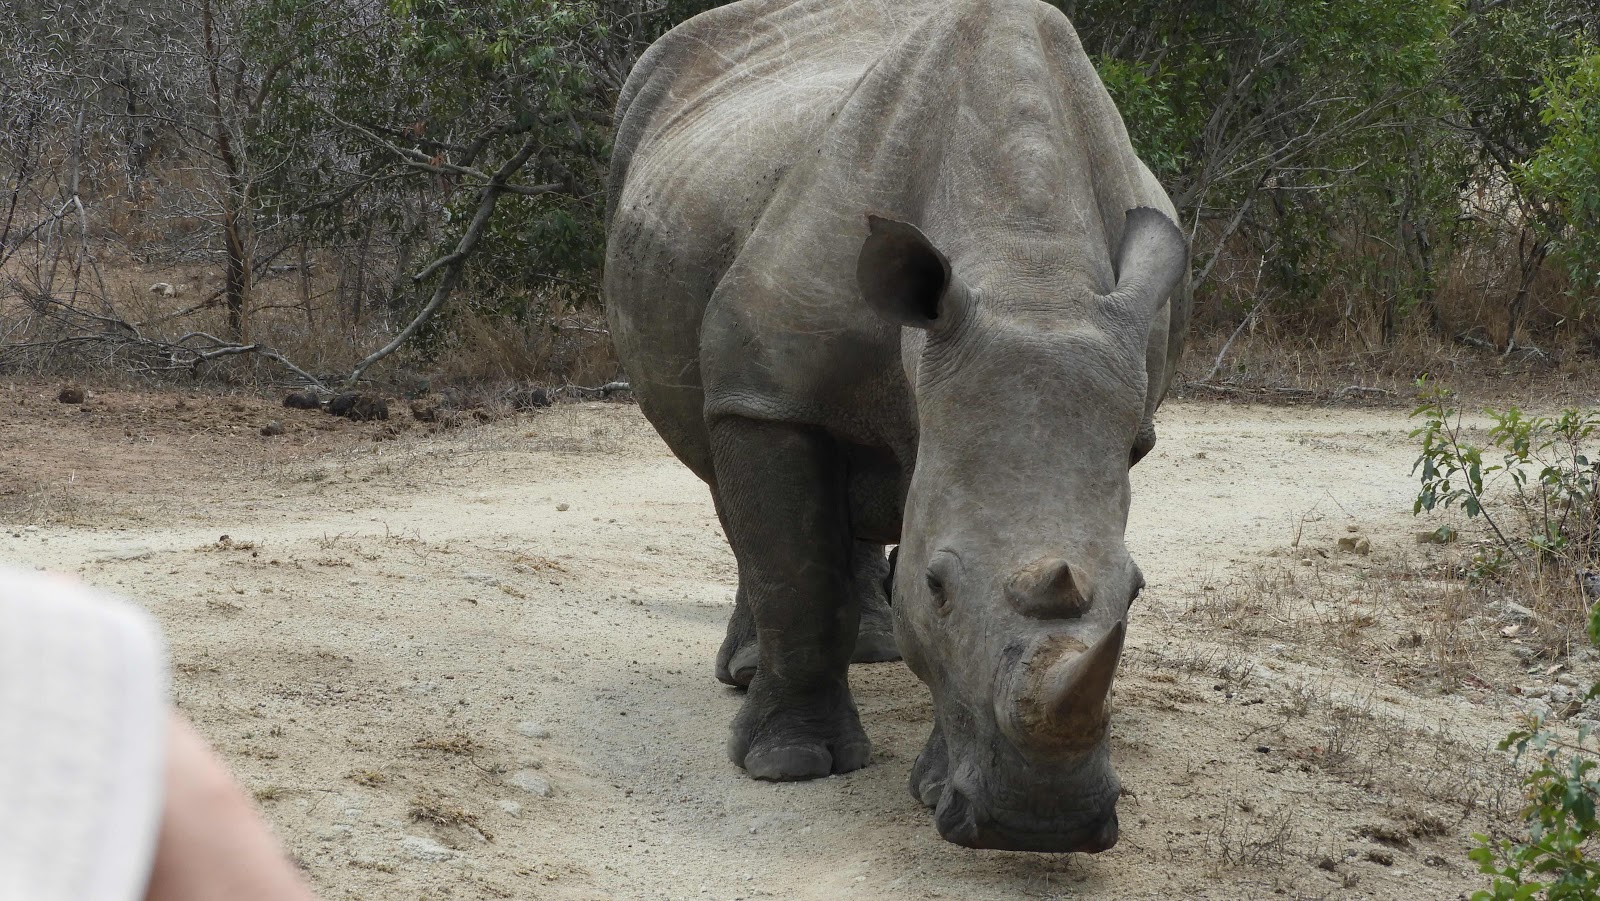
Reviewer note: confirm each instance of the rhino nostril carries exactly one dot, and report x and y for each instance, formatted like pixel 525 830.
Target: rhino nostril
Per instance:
pixel 955 817
pixel 1105 837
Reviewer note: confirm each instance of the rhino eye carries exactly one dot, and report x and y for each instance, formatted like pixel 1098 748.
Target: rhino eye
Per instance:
pixel 939 575
pixel 941 599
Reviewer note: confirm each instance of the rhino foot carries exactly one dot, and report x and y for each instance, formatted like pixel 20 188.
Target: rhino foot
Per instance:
pixel 875 639
pixel 782 738
pixel 932 770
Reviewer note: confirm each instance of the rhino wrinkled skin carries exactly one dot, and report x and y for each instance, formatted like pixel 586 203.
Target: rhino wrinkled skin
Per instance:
pixel 891 273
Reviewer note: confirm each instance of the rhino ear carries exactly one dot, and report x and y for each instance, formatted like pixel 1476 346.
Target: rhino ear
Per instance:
pixel 901 274
pixel 1151 262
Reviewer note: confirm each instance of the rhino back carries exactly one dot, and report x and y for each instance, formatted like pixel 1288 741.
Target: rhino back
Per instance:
pixel 753 139
pixel 711 119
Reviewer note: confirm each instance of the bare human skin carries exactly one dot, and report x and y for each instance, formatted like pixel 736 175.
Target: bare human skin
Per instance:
pixel 213 845
pixel 889 273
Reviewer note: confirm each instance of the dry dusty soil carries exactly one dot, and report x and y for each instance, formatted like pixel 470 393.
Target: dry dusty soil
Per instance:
pixel 477 663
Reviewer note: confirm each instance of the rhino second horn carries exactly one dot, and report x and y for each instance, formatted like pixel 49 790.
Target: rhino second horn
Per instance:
pixel 1050 589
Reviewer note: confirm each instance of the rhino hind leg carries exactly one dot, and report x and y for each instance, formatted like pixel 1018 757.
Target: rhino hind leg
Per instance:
pixel 781 491
pixel 870 580
pixel 870 574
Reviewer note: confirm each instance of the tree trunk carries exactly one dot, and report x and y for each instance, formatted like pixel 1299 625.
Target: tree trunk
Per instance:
pixel 1532 252
pixel 235 195
pixel 305 285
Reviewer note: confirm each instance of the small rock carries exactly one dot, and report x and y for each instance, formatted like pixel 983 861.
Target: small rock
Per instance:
pixel 532 729
pixel 425 410
pixel 1568 679
pixel 334 833
pixel 562 508
pixel 1533 691
pixel 359 407
pixel 1441 535
pixel 425 849
pixel 529 397
pixel 272 429
pixel 1516 611
pixel 1358 546
pixel 71 394
pixel 530 782
pixel 510 807
pixel 1560 694
pixel 302 400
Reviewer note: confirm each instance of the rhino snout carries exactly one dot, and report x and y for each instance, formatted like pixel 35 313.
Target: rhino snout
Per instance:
pixel 966 817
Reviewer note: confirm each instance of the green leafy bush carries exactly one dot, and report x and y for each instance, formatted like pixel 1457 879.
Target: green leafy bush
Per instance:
pixel 1567 167
pixel 1554 862
pixel 1534 485
pixel 1549 520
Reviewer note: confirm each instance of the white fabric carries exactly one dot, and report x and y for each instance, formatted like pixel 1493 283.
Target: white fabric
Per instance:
pixel 83 700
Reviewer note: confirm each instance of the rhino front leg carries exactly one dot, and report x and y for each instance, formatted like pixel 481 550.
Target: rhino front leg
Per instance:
pixel 784 506
pixel 740 652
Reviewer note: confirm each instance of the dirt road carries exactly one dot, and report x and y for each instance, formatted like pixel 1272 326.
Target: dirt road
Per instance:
pixel 477 664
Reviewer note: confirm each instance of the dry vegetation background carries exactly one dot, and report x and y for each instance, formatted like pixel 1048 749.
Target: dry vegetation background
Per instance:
pixel 395 191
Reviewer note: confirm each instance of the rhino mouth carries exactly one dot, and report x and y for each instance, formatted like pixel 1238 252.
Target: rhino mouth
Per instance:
pixel 964 822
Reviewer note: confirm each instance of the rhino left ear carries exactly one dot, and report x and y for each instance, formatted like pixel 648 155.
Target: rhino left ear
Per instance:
pixel 902 275
pixel 1151 262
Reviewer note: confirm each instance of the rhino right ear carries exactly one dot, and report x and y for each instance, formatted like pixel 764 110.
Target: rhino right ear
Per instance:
pixel 1151 263
pixel 902 275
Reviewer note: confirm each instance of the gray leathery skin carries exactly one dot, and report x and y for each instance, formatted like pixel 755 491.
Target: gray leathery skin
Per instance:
pixel 891 273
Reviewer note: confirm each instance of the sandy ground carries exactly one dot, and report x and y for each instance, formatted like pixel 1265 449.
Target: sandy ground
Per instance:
pixel 478 663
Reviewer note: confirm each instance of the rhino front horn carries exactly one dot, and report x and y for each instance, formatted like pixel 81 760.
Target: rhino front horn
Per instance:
pixel 1064 706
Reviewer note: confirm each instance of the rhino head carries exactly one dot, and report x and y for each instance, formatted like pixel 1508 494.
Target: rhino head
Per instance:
pixel 1013 581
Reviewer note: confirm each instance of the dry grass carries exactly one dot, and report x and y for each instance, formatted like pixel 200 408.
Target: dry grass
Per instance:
pixel 1243 838
pixel 460 743
pixel 31 505
pixel 429 808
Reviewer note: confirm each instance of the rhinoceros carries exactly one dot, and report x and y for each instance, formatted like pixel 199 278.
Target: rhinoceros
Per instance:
pixel 891 273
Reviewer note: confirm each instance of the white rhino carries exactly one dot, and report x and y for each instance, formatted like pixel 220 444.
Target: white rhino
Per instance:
pixel 890 272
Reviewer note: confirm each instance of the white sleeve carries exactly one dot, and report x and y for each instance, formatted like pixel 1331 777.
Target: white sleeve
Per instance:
pixel 83 719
